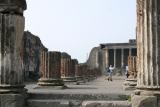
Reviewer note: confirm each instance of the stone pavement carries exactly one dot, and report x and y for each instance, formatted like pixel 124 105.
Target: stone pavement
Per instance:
pixel 98 86
pixel 100 91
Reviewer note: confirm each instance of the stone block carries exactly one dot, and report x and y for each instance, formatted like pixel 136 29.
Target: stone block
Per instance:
pixel 48 103
pixel 144 101
pixel 12 100
pixel 106 104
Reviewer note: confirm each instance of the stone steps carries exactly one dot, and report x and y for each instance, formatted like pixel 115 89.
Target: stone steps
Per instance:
pixel 77 100
pixel 76 96
pixel 73 103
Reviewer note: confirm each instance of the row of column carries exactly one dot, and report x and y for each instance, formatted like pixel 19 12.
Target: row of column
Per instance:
pixel 115 56
pixel 57 68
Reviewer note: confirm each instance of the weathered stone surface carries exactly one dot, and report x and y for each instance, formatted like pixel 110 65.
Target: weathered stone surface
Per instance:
pixel 144 101
pixel 148 35
pixel 65 55
pixel 11 55
pixel 93 60
pixel 13 6
pixel 67 68
pixel 12 100
pixel 74 62
pixel 51 76
pixel 131 81
pixel 132 67
pixel 79 74
pixel 148 44
pixel 32 47
pixel 106 104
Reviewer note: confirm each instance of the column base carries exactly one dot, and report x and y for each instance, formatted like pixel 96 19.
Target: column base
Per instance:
pixel 80 80
pixel 50 82
pixel 146 98
pixel 12 89
pixel 130 84
pixel 69 79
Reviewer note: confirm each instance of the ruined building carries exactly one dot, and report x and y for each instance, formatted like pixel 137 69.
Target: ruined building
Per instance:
pixel 115 54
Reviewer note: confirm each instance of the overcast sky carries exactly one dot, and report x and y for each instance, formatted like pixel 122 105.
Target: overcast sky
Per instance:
pixel 76 26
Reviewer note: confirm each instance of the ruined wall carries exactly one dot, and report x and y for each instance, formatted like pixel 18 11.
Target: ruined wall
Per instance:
pixel 93 60
pixel 32 46
pixel 96 59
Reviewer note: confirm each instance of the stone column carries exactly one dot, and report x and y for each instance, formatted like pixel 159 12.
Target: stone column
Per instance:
pixel 148 49
pixel 130 51
pixel 50 68
pixel 115 58
pixel 74 62
pixel 86 72
pixel 105 59
pixel 79 74
pixel 66 70
pixel 131 81
pixel 122 58
pixel 12 92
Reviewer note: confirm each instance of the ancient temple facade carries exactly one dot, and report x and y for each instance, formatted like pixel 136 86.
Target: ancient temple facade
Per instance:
pixel 115 54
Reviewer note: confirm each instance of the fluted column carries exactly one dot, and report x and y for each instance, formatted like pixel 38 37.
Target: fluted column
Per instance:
pixel 131 81
pixel 11 59
pixel 130 51
pixel 148 52
pixel 50 69
pixel 107 57
pixel 66 70
pixel 122 57
pixel 148 44
pixel 12 92
pixel 79 74
pixel 132 67
pixel 115 52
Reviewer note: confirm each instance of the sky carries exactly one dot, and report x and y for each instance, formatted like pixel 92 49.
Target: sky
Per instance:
pixel 76 26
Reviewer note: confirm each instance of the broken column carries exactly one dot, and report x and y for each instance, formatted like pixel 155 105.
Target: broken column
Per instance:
pixel 66 69
pixel 148 53
pixel 74 62
pixel 131 81
pixel 86 72
pixel 12 91
pixel 79 74
pixel 50 69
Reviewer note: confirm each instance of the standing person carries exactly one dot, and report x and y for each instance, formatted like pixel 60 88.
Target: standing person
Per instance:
pixel 126 73
pixel 110 73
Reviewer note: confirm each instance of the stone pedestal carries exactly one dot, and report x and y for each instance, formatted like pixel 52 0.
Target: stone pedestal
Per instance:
pixel 148 50
pixel 12 91
pixel 131 81
pixel 50 69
